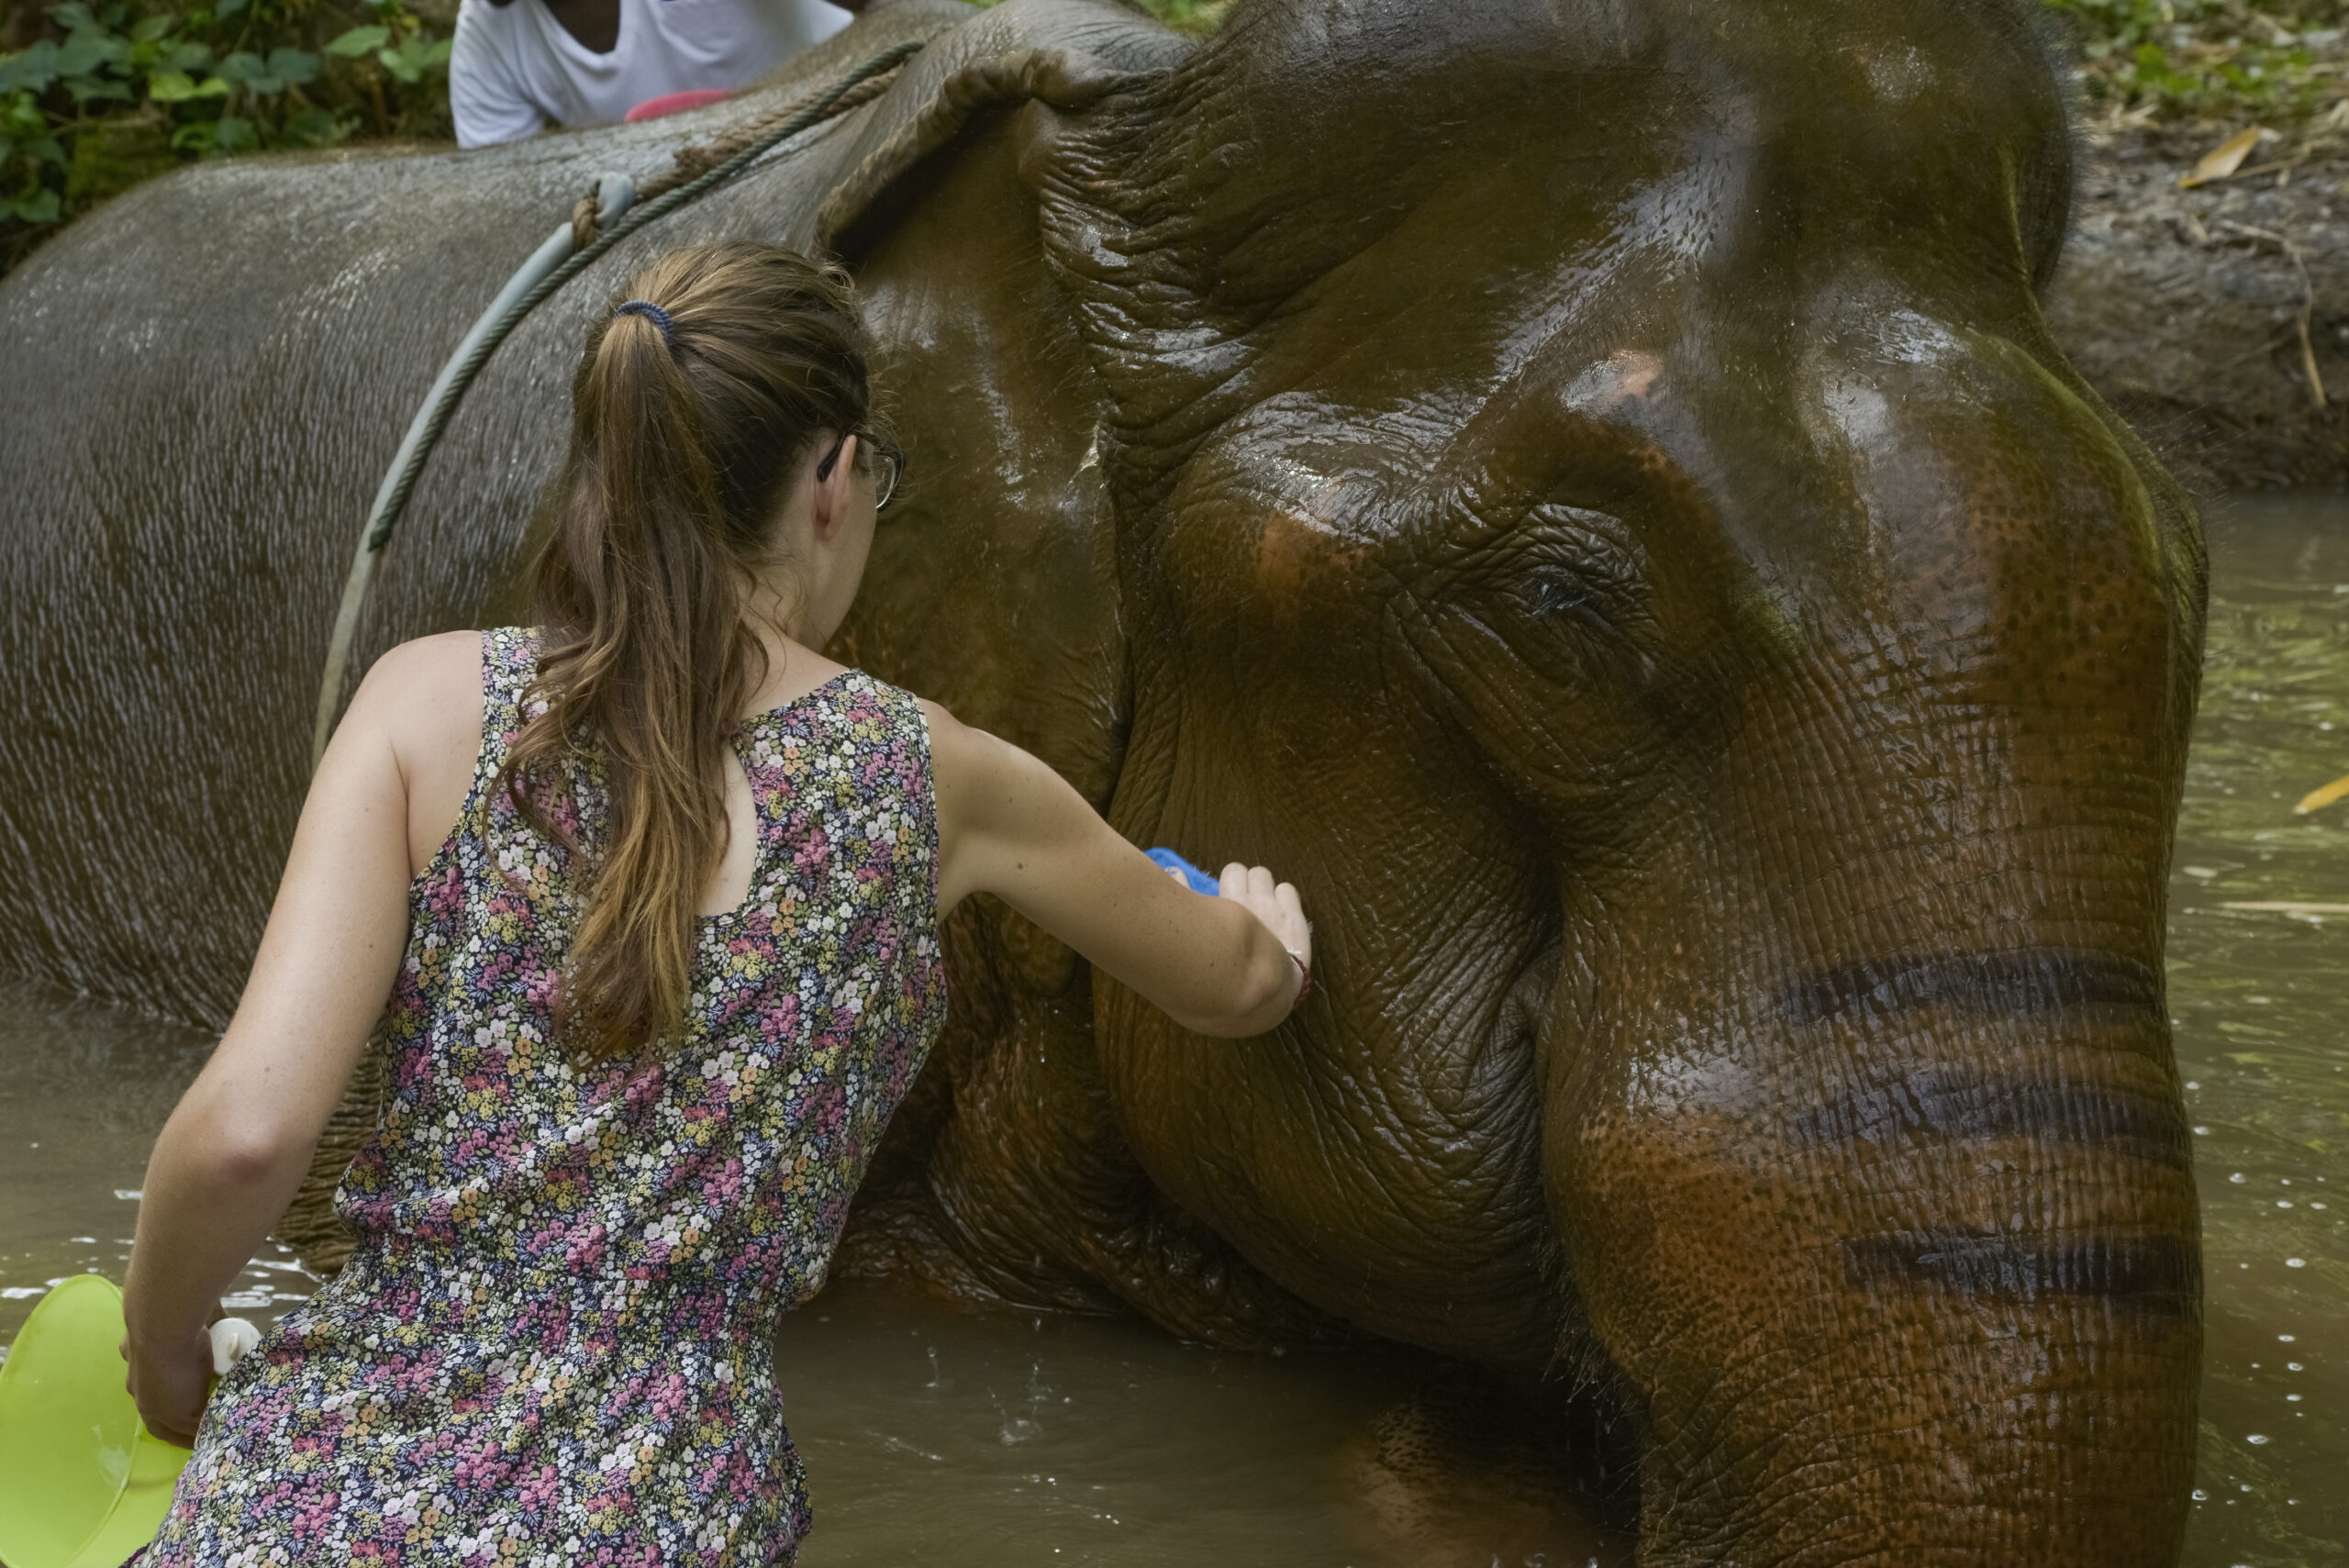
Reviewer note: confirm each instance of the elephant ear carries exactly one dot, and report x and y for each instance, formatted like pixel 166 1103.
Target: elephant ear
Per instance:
pixel 1065 54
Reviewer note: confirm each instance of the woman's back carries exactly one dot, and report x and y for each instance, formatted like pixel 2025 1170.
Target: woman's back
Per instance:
pixel 584 1263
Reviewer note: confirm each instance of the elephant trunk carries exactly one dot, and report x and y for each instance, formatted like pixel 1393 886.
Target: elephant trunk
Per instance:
pixel 1878 1196
pixel 1929 1313
pixel 1875 1180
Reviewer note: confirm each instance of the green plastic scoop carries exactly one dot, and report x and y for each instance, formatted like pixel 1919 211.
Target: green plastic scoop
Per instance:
pixel 82 1483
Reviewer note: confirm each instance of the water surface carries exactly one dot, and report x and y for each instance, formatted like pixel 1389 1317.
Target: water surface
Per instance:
pixel 1009 1439
pixel 2261 1002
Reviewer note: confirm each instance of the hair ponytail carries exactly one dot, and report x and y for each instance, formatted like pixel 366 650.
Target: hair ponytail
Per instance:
pixel 687 421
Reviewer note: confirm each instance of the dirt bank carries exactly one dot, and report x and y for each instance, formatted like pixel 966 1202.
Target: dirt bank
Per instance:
pixel 2185 307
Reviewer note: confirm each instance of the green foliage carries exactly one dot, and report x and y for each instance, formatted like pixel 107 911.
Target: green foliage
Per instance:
pixel 1191 16
pixel 117 90
pixel 2215 60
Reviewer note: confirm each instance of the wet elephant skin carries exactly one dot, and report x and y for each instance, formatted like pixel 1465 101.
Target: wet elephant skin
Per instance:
pixel 1584 488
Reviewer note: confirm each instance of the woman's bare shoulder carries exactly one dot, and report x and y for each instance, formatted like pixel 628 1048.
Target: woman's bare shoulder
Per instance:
pixel 958 754
pixel 943 725
pixel 425 693
pixel 433 670
pixel 425 663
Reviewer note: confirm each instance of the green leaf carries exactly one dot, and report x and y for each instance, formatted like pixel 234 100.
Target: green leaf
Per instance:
pixel 33 143
pixel 191 57
pixel 358 41
pixel 173 87
pixel 313 126
pixel 229 8
pixel 32 69
pixel 38 207
pixel 25 119
pixel 73 17
pixel 98 89
pixel 233 134
pixel 414 58
pixel 249 71
pixel 292 65
pixel 85 53
pixel 149 28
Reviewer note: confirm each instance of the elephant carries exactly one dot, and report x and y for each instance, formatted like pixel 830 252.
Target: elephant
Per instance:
pixel 1582 486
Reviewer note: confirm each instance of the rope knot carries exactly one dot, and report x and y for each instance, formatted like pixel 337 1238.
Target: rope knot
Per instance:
pixel 586 218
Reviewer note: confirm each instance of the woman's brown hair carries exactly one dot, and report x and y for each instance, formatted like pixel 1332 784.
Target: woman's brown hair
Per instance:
pixel 685 432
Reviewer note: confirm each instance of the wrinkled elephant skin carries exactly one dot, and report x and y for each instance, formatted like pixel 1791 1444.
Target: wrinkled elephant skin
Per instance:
pixel 1583 488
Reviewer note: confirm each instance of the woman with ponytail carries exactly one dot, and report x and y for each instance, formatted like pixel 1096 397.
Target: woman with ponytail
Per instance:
pixel 641 904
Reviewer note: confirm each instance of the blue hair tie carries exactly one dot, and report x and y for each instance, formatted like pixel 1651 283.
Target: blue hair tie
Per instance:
pixel 654 314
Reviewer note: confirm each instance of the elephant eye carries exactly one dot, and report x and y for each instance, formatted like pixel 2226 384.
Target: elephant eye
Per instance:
pixel 1579 591
pixel 1551 596
pixel 1585 568
pixel 1592 610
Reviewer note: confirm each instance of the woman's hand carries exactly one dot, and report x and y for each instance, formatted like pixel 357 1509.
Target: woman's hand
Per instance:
pixel 170 1384
pixel 1276 903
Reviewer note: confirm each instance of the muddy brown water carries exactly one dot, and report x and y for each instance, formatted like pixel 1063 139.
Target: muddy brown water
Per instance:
pixel 1012 1440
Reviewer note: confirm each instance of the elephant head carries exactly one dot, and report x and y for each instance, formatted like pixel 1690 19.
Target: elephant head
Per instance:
pixel 1588 491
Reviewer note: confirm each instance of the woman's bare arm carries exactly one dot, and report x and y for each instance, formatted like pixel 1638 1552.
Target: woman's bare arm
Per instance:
pixel 1011 827
pixel 240 1139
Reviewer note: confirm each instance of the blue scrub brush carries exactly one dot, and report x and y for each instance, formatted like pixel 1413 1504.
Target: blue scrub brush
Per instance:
pixel 1193 877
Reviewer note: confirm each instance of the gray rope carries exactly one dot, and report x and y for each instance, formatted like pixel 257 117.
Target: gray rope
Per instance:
pixel 392 499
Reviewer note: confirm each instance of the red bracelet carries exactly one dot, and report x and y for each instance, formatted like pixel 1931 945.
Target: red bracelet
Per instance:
pixel 1304 977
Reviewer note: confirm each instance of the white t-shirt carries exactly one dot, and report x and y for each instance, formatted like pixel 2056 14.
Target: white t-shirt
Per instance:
pixel 513 67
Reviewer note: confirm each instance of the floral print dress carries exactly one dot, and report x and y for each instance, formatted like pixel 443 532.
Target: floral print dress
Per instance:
pixel 553 1344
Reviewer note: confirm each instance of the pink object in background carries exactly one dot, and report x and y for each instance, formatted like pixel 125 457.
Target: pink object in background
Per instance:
pixel 675 102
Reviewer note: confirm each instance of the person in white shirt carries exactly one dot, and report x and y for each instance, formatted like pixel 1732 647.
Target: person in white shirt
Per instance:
pixel 519 64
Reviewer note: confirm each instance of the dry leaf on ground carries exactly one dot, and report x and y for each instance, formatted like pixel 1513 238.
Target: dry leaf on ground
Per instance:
pixel 2224 159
